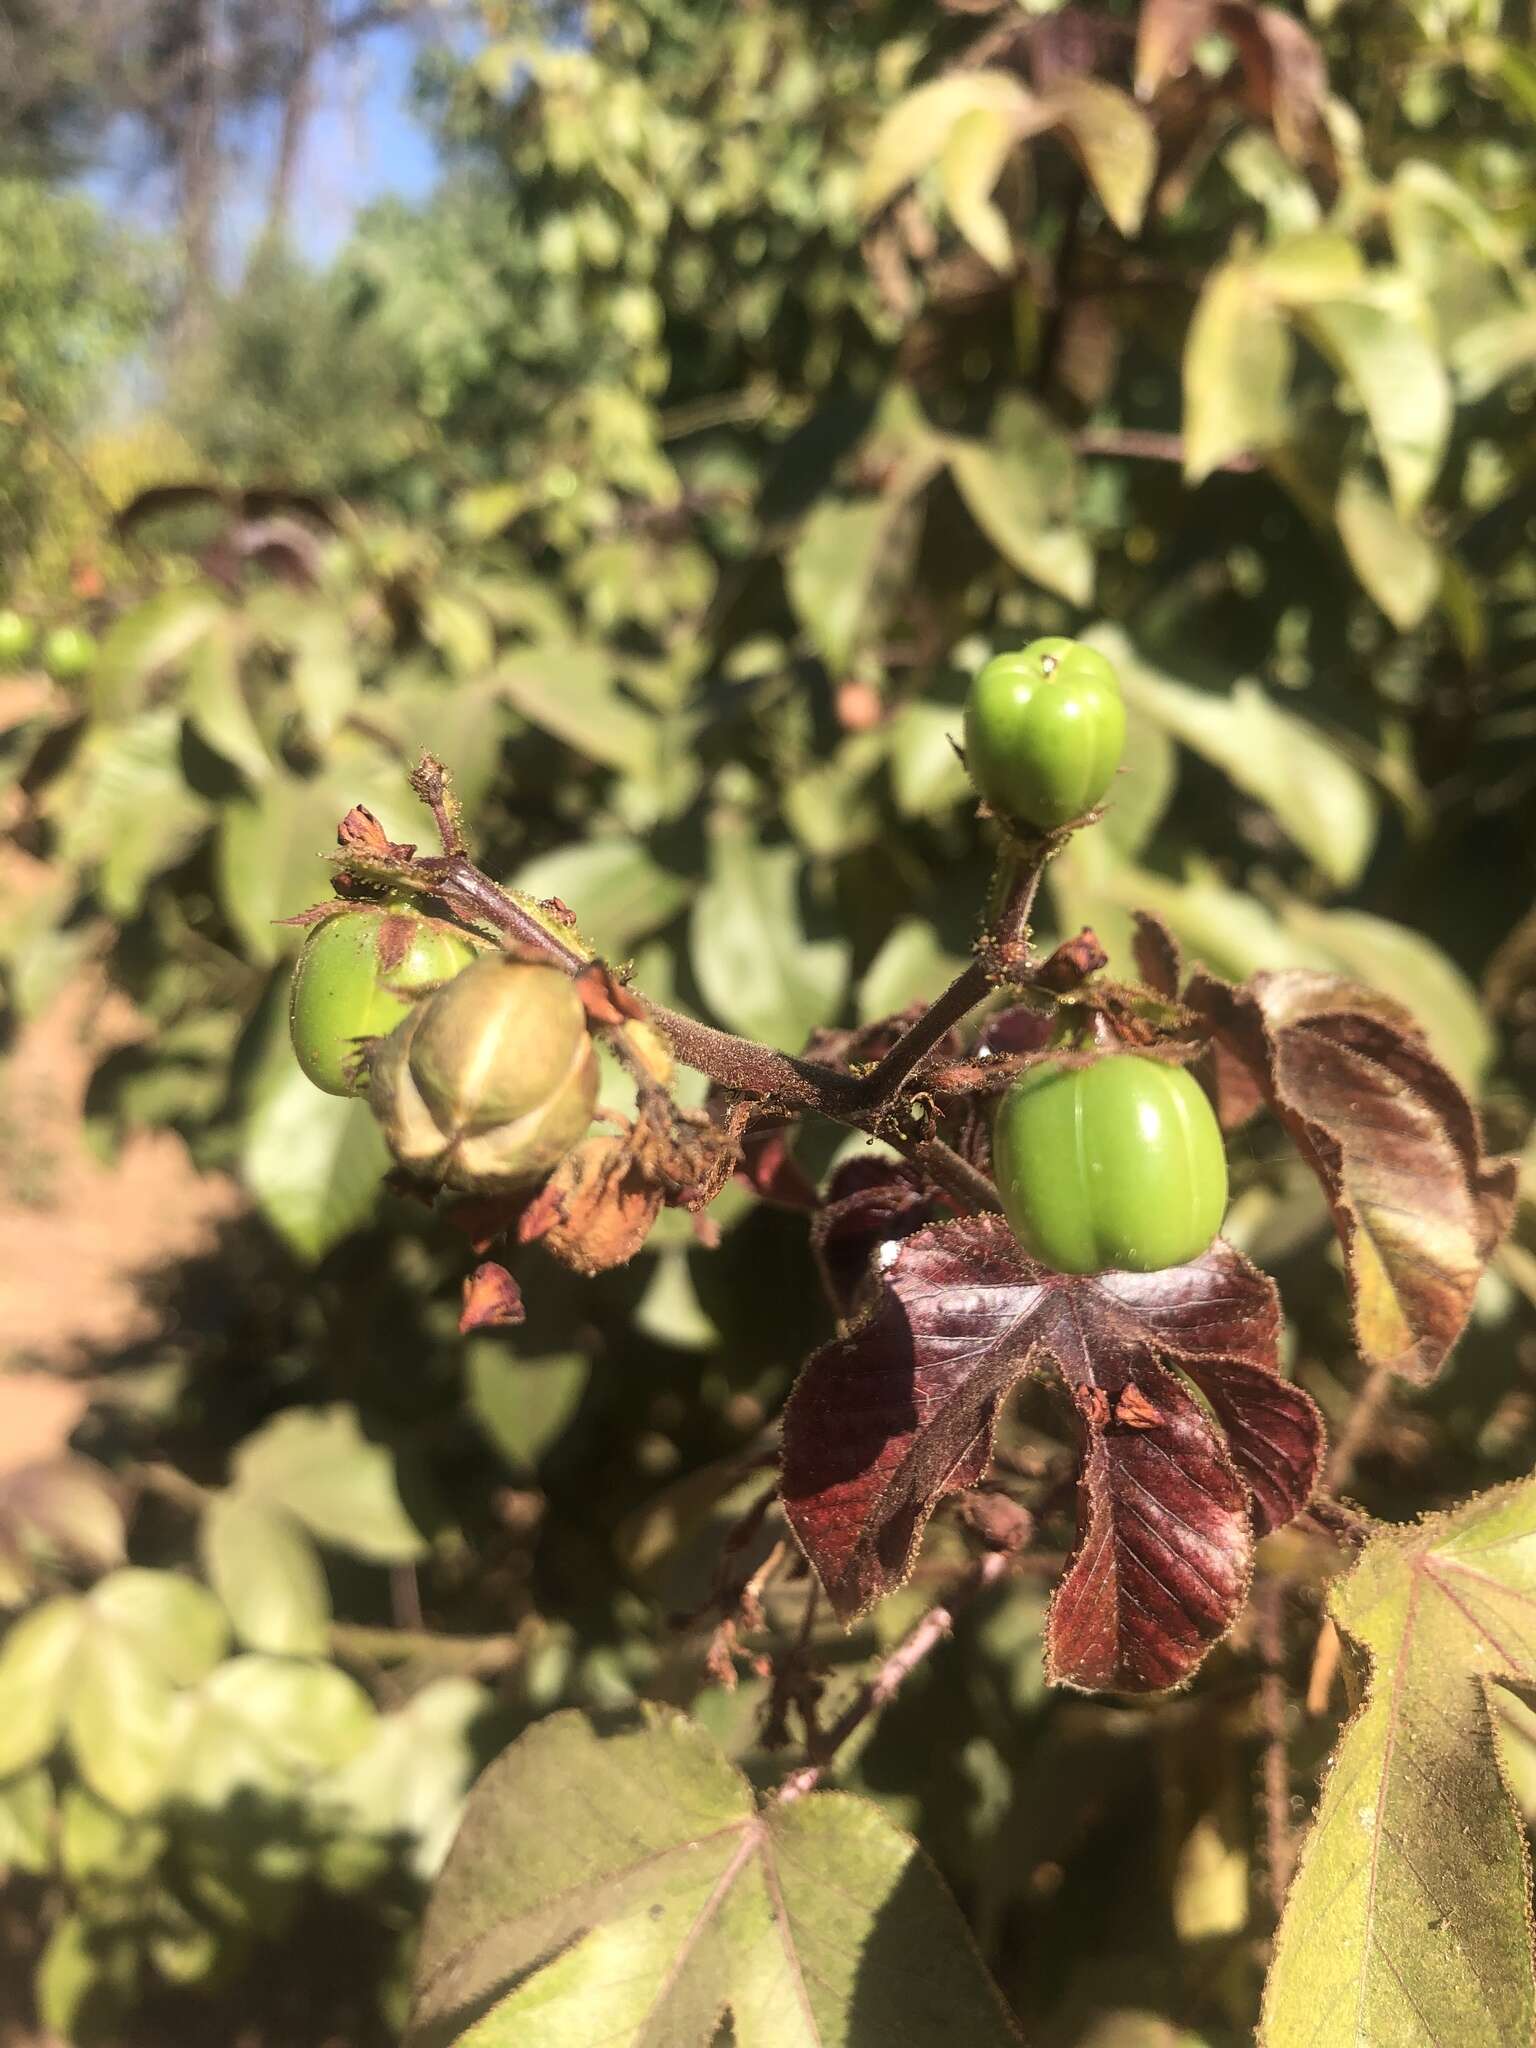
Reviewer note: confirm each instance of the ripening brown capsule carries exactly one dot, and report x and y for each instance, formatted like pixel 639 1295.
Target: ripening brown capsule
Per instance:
pixel 490 1082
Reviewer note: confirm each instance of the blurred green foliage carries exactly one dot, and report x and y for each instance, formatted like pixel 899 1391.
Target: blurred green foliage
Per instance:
pixel 77 296
pixel 669 473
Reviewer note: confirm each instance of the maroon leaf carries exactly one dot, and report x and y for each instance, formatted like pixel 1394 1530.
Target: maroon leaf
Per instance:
pixel 769 1167
pixel 1016 1030
pixel 1419 1208
pixel 900 1411
pixel 491 1298
pixel 1072 963
pixel 870 1202
pixel 1157 955
pixel 1280 69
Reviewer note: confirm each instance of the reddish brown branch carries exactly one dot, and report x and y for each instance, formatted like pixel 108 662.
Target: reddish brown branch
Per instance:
pixel 1360 1426
pixel 894 1672
pixel 1279 1831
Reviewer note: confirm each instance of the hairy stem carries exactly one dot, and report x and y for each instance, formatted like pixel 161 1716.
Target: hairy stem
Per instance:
pixel 474 1656
pixel 913 1047
pixel 897 1668
pixel 1274 1708
pixel 1360 1426
pixel 956 1176
pixel 741 1064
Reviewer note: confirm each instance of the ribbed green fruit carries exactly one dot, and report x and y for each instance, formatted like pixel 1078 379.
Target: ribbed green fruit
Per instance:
pixel 358 975
pixel 1044 732
pixel 1114 1166
pixel 491 1082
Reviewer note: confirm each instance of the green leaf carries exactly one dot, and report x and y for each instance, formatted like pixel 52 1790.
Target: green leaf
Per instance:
pixel 571 692
pixel 1463 261
pixel 150 638
pixel 1379 337
pixel 1409 1920
pixel 143 1635
pixel 457 626
pixel 323 672
pixel 834 808
pixel 1108 132
pixel 1112 138
pixel 410 1780
pixel 215 704
pixel 757 970
pixel 97 1842
pixel 1142 791
pixel 172 1622
pixel 1317 798
pixel 617 889
pixel 313 1162
pixel 121 1718
pixel 316 1463
pixel 106 1668
pixel 1219 927
pixel 27 1823
pixel 927 774
pixel 35 1660
pixel 1237 372
pixel 846 553
pixel 124 808
pixel 1019 483
pixel 264 1568
pixel 1404 964
pixel 269 1725
pixel 1397 564
pixel 523 1404
pixel 971 163
pixel 914 133
pixel 86 1978
pixel 628 1889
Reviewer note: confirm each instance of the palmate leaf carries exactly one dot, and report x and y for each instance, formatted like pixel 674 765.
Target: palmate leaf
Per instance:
pixel 1409 1921
pixel 900 1411
pixel 627 1889
pixel 1394 1141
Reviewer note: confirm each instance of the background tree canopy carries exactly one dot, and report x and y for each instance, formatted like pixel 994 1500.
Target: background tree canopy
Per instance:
pixel 751 374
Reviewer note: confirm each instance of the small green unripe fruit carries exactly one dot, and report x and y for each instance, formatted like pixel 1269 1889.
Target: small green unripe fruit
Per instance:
pixel 1115 1166
pixel 1044 732
pixel 16 637
pixel 359 974
pixel 68 653
pixel 489 1083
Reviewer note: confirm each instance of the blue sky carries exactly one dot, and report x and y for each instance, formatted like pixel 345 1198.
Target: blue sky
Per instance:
pixel 365 142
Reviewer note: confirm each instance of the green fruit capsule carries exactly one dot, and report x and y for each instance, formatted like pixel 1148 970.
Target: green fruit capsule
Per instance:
pixel 491 1082
pixel 1044 732
pixel 359 974
pixel 1114 1166
pixel 16 637
pixel 68 653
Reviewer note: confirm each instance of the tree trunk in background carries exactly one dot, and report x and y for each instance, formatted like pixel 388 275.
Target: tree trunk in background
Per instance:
pixel 298 106
pixel 199 169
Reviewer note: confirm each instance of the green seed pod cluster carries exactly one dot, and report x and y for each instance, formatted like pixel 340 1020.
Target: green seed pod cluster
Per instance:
pixel 1114 1166
pixel 1044 732
pixel 489 1083
pixel 359 974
